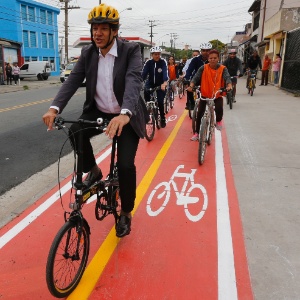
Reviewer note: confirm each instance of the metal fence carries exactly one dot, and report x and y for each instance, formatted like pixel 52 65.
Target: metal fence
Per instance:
pixel 290 80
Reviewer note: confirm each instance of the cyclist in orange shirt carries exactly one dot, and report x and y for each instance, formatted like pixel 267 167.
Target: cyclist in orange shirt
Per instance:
pixel 265 70
pixel 172 72
pixel 211 77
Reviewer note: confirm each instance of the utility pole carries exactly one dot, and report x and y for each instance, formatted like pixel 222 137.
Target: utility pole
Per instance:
pixel 151 33
pixel 173 38
pixel 66 9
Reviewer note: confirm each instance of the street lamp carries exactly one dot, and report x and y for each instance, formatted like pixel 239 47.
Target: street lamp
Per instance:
pixel 128 8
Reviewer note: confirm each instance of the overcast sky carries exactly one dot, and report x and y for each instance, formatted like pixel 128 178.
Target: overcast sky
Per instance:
pixel 193 21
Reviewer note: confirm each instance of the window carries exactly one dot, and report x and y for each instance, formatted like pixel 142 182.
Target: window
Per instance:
pixel 25 38
pixel 50 41
pixel 44 40
pixel 24 67
pixel 52 64
pixel 31 14
pixel 43 16
pixel 50 18
pixel 33 58
pixel 23 12
pixel 27 58
pixel 32 39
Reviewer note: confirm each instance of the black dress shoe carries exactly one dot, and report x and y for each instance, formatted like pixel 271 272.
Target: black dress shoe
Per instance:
pixel 123 226
pixel 91 179
pixel 163 123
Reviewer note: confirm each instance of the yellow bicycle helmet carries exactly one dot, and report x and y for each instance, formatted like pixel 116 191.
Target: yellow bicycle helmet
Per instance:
pixel 104 13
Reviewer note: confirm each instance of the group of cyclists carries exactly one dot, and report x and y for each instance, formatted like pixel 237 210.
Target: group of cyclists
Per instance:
pixel 114 73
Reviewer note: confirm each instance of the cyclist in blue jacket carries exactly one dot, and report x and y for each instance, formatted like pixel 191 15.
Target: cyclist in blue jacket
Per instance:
pixel 155 72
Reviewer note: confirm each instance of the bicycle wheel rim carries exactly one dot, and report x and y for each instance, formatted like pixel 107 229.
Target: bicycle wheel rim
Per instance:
pixel 63 270
pixel 150 129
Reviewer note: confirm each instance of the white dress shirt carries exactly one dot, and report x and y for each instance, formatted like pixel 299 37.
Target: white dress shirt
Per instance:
pixel 106 100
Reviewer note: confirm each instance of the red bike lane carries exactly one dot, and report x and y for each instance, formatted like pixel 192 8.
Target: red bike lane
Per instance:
pixel 186 240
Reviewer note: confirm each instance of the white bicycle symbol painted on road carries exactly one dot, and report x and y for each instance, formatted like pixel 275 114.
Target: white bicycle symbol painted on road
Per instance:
pixel 196 194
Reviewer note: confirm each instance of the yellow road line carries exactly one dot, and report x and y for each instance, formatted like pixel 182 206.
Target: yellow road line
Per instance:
pixel 102 256
pixel 30 104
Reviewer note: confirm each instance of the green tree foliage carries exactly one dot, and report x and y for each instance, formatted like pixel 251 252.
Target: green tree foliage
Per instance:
pixel 218 45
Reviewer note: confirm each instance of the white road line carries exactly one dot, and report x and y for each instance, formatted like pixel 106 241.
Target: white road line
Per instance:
pixel 9 235
pixel 227 289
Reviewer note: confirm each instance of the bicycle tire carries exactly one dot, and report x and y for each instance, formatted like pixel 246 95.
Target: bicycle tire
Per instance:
pixel 194 117
pixel 167 103
pixel 180 90
pixel 202 141
pixel 230 102
pixel 251 91
pixel 150 128
pixel 59 266
pixel 211 130
pixel 157 118
pixel 172 95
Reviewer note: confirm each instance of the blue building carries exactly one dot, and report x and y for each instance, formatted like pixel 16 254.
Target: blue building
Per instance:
pixel 29 32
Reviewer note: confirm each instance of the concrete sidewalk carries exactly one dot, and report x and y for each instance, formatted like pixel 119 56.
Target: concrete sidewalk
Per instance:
pixel 29 84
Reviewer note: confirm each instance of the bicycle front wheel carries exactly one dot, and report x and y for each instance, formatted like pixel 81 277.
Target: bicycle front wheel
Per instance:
pixel 202 141
pixel 194 117
pixel 150 128
pixel 67 258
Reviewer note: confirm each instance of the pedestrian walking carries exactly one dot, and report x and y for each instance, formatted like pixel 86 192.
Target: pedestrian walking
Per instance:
pixel 1 76
pixel 16 73
pixel 8 71
pixel 276 68
pixel 265 70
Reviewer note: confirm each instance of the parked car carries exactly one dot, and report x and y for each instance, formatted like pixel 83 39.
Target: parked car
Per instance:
pixel 67 71
pixel 39 69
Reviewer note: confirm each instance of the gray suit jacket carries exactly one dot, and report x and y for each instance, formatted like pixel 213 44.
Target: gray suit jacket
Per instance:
pixel 127 82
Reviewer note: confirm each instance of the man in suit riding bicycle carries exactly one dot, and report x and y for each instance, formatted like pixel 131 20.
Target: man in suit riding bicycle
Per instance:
pixel 112 69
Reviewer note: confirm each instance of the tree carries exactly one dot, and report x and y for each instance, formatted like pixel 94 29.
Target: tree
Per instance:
pixel 218 45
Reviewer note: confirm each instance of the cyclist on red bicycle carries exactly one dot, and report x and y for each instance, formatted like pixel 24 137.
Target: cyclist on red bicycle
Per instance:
pixel 211 77
pixel 234 66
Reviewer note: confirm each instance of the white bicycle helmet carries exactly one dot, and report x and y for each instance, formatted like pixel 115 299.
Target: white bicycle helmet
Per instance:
pixel 155 49
pixel 206 46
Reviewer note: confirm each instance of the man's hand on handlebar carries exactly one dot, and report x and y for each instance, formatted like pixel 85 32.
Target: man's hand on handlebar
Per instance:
pixel 48 118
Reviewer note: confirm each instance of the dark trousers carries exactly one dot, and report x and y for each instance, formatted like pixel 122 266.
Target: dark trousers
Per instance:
pixel 9 79
pixel 264 77
pixel 190 101
pixel 160 98
pixel 126 151
pixel 16 79
pixel 201 110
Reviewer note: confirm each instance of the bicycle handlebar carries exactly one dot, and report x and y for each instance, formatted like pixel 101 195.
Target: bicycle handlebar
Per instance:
pixel 59 122
pixel 221 90
pixel 153 89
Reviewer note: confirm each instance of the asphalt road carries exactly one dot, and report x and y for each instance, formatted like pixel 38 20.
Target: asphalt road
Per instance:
pixel 26 147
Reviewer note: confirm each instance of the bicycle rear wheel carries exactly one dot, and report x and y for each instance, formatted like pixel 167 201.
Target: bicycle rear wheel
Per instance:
pixel 171 97
pixel 180 90
pixel 67 258
pixel 194 117
pixel 150 128
pixel 252 91
pixel 202 141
